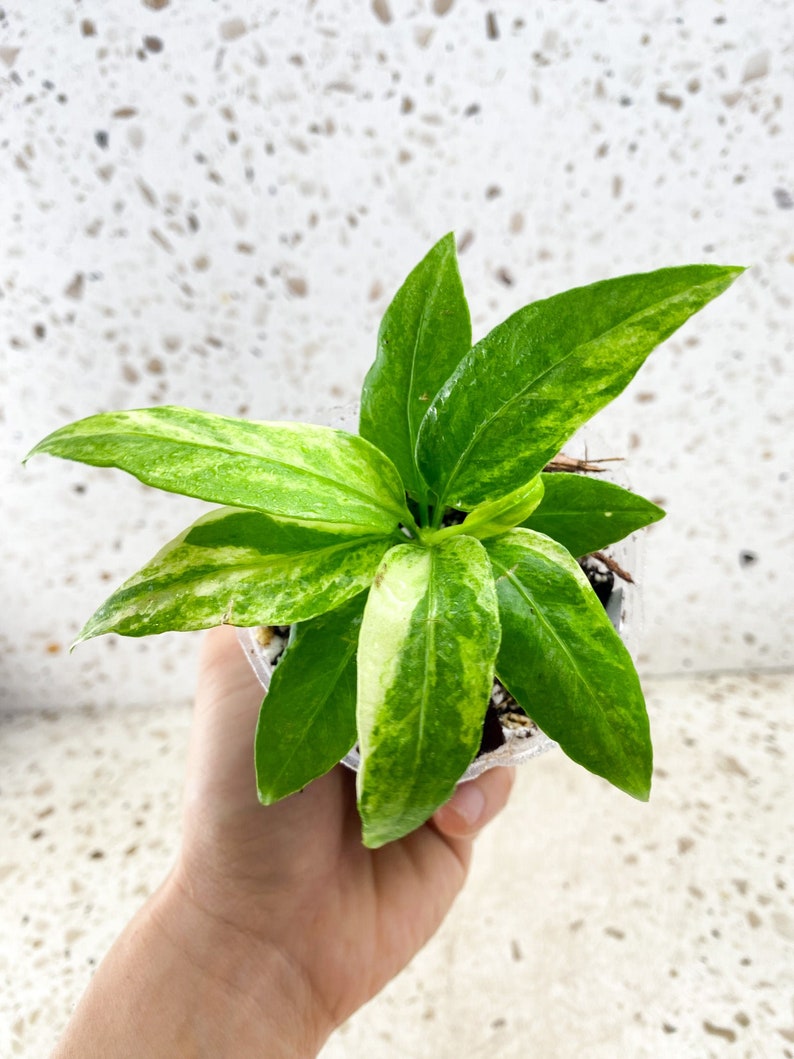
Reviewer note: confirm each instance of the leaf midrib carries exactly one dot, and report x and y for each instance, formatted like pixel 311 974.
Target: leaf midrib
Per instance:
pixel 413 433
pixel 576 512
pixel 422 707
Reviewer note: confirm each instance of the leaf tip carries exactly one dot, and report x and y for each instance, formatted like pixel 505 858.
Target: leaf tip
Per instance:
pixel 377 825
pixel 639 786
pixel 380 826
pixel 265 796
pixel 372 838
pixel 92 628
pixel 84 634
pixel 730 273
pixel 37 448
pixel 737 270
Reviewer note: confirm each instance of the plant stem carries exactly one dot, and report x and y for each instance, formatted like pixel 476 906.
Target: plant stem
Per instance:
pixel 410 524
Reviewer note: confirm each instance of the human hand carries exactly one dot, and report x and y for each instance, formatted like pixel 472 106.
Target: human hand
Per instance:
pixel 276 923
pixel 295 875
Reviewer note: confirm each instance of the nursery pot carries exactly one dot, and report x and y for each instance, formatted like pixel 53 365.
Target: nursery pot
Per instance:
pixel 522 739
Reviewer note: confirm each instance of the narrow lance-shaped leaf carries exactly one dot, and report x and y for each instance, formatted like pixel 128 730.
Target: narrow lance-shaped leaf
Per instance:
pixel 288 470
pixel 307 722
pixel 426 657
pixel 563 662
pixel 424 333
pixel 587 514
pixel 239 567
pixel 536 378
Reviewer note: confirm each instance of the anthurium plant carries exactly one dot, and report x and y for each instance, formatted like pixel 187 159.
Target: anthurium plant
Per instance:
pixel 425 556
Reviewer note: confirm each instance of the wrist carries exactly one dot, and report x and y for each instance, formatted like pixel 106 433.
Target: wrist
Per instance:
pixel 183 982
pixel 252 995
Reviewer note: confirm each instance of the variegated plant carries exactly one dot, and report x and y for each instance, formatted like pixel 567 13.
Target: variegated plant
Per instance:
pixel 419 559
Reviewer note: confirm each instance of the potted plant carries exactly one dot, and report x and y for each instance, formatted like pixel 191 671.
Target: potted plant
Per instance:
pixel 422 557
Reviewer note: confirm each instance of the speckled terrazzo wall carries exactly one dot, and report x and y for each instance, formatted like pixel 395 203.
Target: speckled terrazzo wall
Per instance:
pixel 211 204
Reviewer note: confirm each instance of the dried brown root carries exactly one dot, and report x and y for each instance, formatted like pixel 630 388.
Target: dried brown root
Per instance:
pixel 561 462
pixel 615 567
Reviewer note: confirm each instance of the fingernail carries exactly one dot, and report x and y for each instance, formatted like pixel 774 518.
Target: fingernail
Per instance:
pixel 468 803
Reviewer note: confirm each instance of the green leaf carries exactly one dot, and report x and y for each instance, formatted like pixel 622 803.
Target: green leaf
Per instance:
pixel 530 384
pixel 287 470
pixel 307 722
pixel 425 671
pixel 493 517
pixel 424 333
pixel 563 662
pixel 586 514
pixel 240 567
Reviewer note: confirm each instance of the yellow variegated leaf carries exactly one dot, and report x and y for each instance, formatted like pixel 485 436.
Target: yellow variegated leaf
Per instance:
pixel 426 657
pixel 563 662
pixel 287 470
pixel 525 388
pixel 239 567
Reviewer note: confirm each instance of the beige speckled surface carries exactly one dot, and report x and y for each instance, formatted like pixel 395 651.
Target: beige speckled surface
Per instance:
pixel 592 925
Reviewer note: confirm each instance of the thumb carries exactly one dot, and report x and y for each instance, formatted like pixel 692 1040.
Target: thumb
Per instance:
pixel 475 803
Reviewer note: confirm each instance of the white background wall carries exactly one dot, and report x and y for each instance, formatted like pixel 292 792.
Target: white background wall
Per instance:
pixel 211 204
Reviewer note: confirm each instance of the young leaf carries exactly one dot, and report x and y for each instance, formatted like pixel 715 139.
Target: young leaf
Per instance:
pixel 426 657
pixel 586 514
pixel 563 662
pixel 424 333
pixel 530 384
pixel 239 567
pixel 493 517
pixel 307 722
pixel 288 470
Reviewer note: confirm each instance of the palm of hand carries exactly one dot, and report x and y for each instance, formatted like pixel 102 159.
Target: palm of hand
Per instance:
pixel 295 875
